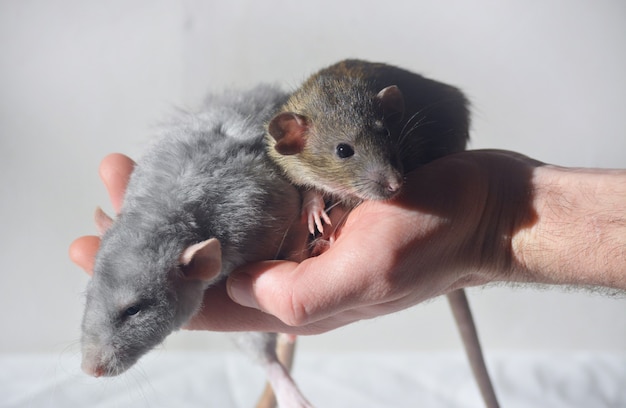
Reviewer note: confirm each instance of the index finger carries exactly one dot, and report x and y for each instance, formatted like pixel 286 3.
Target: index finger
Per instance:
pixel 83 252
pixel 115 170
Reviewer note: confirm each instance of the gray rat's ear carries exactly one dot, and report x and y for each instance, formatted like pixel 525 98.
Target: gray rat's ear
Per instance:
pixel 391 101
pixel 103 221
pixel 202 261
pixel 289 130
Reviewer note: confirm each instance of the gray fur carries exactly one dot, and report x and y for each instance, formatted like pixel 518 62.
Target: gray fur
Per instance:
pixel 207 176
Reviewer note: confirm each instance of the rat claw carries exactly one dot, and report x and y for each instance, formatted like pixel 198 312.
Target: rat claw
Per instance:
pixel 318 222
pixel 311 222
pixel 326 218
pixel 313 208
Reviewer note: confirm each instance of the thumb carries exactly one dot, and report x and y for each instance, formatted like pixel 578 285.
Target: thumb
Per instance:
pixel 284 289
pixel 260 285
pixel 299 294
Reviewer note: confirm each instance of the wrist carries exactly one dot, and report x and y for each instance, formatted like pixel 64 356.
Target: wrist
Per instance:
pixel 579 234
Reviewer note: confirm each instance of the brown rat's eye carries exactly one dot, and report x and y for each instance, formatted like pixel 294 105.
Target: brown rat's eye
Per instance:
pixel 344 151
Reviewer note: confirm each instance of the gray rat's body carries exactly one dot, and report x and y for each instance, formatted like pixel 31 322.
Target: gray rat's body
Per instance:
pixel 207 177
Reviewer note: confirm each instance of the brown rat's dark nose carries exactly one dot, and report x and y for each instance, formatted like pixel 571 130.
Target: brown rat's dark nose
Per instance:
pixel 394 183
pixel 393 186
pixel 380 184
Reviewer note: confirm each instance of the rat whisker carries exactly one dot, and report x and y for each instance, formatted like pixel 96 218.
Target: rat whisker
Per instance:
pixel 282 243
pixel 410 119
pixel 139 376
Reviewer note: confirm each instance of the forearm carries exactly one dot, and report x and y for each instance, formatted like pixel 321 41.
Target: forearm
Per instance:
pixel 579 234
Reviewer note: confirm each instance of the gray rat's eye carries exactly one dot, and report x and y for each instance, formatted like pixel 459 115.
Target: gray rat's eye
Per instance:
pixel 133 310
pixel 344 151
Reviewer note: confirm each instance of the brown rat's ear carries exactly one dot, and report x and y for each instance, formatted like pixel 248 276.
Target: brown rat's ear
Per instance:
pixel 289 130
pixel 202 261
pixel 391 101
pixel 103 221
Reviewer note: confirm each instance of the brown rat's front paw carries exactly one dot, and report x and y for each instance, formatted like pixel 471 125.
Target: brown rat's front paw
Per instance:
pixel 313 211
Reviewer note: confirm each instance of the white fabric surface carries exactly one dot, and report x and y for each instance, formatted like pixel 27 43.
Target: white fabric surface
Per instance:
pixel 225 380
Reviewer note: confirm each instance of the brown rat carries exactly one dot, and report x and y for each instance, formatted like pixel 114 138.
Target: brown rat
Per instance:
pixel 352 130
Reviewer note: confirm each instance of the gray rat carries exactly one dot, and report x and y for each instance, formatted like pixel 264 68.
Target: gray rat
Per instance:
pixel 351 132
pixel 204 199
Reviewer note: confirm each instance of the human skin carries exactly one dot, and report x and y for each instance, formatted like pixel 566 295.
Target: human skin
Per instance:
pixel 468 219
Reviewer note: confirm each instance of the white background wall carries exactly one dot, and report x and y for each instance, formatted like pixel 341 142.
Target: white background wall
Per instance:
pixel 80 79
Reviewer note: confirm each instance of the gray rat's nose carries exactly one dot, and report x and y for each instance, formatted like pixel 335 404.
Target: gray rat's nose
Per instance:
pixel 92 369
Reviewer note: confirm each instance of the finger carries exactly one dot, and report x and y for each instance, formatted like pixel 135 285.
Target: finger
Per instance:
pixel 103 221
pixel 319 288
pixel 115 170
pixel 241 284
pixel 220 313
pixel 83 252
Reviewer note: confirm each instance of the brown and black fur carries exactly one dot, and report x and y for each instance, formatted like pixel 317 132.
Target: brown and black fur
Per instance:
pixel 395 121
pixel 425 120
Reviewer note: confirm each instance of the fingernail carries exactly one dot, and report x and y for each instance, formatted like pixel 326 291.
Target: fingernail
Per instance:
pixel 240 290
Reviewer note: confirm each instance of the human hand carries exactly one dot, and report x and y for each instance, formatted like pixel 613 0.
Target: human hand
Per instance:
pixel 450 228
pixel 114 170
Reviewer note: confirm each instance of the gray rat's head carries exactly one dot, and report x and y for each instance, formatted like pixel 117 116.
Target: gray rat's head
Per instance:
pixel 333 134
pixel 140 292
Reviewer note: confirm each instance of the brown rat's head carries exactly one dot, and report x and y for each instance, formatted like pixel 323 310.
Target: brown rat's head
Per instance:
pixel 334 135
